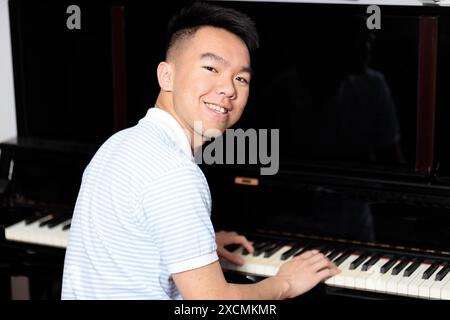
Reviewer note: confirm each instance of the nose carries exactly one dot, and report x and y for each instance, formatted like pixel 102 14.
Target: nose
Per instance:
pixel 226 87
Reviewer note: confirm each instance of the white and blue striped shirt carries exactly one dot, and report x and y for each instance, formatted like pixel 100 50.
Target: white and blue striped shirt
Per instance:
pixel 142 213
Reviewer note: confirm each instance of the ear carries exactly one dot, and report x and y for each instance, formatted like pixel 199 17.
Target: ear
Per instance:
pixel 165 76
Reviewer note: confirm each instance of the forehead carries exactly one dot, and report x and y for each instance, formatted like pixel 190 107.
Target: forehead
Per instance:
pixel 220 42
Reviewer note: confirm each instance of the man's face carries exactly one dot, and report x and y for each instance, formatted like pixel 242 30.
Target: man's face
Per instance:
pixel 211 76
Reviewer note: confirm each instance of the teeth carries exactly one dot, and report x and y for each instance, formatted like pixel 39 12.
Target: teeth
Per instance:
pixel 216 108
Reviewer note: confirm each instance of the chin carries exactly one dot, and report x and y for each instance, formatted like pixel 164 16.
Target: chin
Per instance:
pixel 212 132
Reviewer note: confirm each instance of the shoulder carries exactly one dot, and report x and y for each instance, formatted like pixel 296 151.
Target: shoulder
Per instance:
pixel 186 178
pixel 144 150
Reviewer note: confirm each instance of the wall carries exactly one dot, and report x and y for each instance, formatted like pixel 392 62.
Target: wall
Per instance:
pixel 8 127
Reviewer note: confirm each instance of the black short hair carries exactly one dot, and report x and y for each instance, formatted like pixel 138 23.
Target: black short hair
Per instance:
pixel 199 14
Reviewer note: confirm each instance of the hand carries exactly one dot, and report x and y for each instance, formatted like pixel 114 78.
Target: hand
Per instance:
pixel 305 271
pixel 224 238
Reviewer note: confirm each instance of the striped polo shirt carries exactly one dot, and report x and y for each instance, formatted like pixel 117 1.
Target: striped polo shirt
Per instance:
pixel 142 214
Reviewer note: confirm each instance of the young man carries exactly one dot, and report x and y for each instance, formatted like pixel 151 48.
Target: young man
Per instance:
pixel 141 228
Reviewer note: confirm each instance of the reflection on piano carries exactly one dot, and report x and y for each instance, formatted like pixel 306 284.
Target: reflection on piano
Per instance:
pixel 369 269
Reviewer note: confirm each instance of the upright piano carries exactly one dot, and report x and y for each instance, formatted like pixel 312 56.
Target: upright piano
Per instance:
pixel 362 160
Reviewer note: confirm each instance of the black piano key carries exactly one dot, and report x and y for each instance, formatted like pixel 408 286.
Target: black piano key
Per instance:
pixel 56 221
pixel 256 246
pixel 413 267
pixel 400 266
pixel 66 227
pixel 430 270
pixel 275 248
pixel 258 249
pixel 286 255
pixel 374 259
pixel 388 265
pixel 45 221
pixel 334 253
pixel 357 262
pixel 444 271
pixel 33 218
pixel 323 248
pixel 231 247
pixel 344 256
pixel 305 248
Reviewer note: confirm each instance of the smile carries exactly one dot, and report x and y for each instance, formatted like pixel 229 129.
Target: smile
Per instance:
pixel 216 108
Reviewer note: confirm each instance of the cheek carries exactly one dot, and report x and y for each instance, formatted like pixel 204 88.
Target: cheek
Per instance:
pixel 241 102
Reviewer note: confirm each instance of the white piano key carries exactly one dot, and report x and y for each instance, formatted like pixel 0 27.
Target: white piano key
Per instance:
pixel 394 280
pixel 425 286
pixel 436 288
pixel 445 291
pixel 414 285
pixel 269 266
pixel 57 236
pixel 341 279
pixel 38 234
pixel 25 233
pixel 402 287
pixel 332 281
pixel 273 263
pixel 252 264
pixel 384 279
pixel 361 277
pixel 35 234
pixel 355 274
pixel 375 274
pixel 11 232
pixel 258 265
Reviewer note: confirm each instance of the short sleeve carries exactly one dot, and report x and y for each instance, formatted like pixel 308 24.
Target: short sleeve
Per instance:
pixel 177 209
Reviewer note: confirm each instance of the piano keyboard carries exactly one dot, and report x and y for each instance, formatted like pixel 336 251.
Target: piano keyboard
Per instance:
pixel 361 270
pixel 47 231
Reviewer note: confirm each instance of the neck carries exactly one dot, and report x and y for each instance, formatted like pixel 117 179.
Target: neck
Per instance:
pixel 165 102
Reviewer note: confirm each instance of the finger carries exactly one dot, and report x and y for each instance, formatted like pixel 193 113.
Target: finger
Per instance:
pixel 306 255
pixel 321 264
pixel 231 257
pixel 335 270
pixel 324 274
pixel 246 244
pixel 317 257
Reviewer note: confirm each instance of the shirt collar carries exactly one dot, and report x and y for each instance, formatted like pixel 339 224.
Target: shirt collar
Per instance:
pixel 175 130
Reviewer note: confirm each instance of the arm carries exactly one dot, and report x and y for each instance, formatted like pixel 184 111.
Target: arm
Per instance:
pixel 294 278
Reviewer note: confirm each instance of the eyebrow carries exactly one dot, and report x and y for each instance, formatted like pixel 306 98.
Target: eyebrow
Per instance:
pixel 219 59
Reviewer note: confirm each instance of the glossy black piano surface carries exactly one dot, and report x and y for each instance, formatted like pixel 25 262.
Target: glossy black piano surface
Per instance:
pixel 364 162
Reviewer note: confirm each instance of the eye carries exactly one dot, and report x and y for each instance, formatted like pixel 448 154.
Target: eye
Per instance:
pixel 242 80
pixel 212 69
